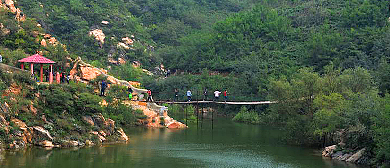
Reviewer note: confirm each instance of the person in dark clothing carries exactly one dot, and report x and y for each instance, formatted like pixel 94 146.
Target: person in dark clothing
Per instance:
pixel 63 78
pixel 176 95
pixel 130 90
pixel 47 73
pixel 68 78
pixel 103 87
pixel 149 96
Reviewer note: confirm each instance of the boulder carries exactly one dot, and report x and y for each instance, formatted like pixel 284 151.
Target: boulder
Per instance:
pixel 27 135
pixel 128 41
pixel 89 120
pixel 46 143
pixel 94 133
pixel 328 151
pixel 11 5
pixel 102 133
pixel 19 123
pixel 4 31
pixel 122 135
pixel 122 45
pixel 110 124
pixel 43 43
pixel 355 157
pixel 99 119
pixel 69 144
pixel 41 134
pixel 89 73
pixel 89 143
pixel 101 138
pixel 3 122
pixel 33 109
pixel 176 125
pixel 53 41
pixel 98 34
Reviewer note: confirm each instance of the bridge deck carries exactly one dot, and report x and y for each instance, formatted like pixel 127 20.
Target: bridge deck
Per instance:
pixel 218 102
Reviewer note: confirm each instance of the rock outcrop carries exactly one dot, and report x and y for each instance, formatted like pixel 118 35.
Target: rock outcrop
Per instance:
pixel 126 43
pixel 10 5
pixel 41 134
pixel 354 157
pixel 98 34
pixel 152 110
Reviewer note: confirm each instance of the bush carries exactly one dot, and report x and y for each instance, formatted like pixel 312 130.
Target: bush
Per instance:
pixel 247 116
pixel 88 103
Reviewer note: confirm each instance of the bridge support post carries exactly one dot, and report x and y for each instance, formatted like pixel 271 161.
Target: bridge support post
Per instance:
pixel 186 115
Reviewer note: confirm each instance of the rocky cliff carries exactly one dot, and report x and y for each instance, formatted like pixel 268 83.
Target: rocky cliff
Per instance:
pixel 84 72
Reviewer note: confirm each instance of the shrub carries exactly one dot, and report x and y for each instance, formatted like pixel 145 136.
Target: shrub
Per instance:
pixel 247 116
pixel 88 103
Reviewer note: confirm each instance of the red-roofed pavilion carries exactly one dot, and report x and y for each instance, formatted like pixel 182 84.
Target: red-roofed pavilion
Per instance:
pixel 39 59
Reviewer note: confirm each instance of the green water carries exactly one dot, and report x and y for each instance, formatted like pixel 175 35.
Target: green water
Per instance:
pixel 227 145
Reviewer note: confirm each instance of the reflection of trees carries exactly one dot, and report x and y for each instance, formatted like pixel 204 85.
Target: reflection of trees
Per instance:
pixel 24 157
pixel 142 146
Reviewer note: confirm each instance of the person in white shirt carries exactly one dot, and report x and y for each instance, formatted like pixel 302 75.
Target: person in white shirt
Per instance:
pixel 216 95
pixel 189 94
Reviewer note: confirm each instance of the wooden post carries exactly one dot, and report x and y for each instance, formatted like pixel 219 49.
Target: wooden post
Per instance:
pixel 32 68
pixel 201 124
pixel 186 116
pixel 41 79
pixel 58 78
pixel 212 119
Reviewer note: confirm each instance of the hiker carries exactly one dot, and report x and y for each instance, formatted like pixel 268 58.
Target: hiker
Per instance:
pixel 225 95
pixel 189 94
pixel 47 75
pixel 216 95
pixel 103 87
pixel 168 73
pixel 149 96
pixel 176 95
pixel 63 78
pixel 205 94
pixel 130 93
pixel 68 78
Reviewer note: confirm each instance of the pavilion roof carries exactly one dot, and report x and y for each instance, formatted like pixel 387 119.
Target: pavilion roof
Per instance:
pixel 37 59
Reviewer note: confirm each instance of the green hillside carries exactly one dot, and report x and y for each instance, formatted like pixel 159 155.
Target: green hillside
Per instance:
pixel 327 61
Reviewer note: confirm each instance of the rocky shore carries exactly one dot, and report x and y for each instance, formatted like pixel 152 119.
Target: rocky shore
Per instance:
pixel 336 152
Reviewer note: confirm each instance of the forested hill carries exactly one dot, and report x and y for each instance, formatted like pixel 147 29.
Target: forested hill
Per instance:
pixel 253 40
pixel 325 60
pixel 151 24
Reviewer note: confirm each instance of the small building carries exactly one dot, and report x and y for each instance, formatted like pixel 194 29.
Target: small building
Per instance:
pixel 38 59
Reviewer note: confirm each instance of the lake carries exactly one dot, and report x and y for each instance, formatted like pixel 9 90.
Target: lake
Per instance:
pixel 228 144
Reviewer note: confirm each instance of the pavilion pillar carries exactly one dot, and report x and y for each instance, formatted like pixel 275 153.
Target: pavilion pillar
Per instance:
pixel 32 68
pixel 22 66
pixel 51 74
pixel 58 78
pixel 41 80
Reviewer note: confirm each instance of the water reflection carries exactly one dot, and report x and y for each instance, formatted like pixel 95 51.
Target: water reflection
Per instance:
pixel 227 145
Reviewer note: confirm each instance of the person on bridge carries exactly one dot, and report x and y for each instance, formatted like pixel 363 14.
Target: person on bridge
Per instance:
pixel 149 96
pixel 225 95
pixel 205 94
pixel 103 87
pixel 176 94
pixel 216 95
pixel 189 94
